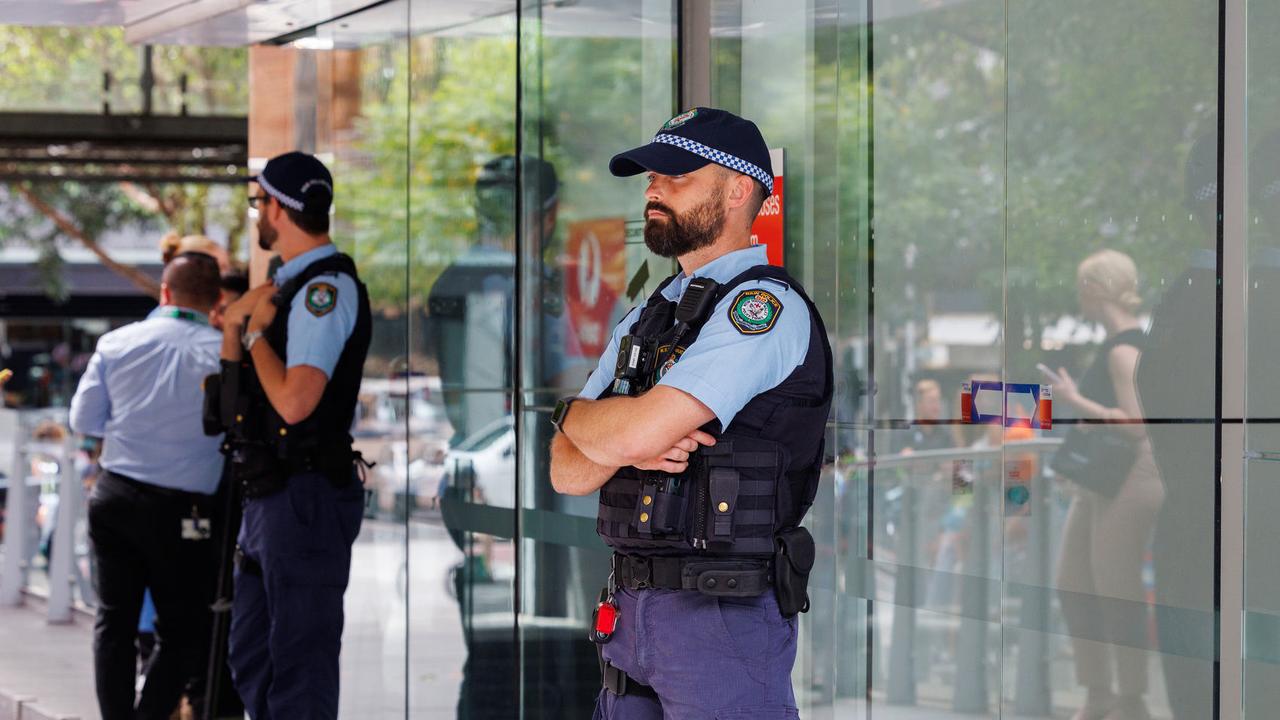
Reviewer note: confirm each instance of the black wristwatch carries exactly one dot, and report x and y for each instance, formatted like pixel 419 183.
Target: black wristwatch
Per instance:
pixel 562 410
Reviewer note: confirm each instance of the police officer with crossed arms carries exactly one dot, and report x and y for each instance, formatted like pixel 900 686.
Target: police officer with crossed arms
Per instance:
pixel 702 429
pixel 293 354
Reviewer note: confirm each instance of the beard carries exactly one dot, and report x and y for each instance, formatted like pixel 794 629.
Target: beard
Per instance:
pixel 267 233
pixel 679 235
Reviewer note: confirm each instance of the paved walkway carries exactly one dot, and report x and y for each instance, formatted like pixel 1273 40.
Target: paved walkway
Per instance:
pixel 53 663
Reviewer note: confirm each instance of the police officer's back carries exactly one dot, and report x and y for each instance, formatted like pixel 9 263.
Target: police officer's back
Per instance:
pixel 293 354
pixel 702 428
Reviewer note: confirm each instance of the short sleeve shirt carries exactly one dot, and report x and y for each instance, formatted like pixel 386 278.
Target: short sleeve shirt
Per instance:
pixel 322 314
pixel 757 335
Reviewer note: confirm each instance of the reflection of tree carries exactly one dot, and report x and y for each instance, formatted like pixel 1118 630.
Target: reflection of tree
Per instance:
pixel 1007 149
pixel 455 113
pixel 61 70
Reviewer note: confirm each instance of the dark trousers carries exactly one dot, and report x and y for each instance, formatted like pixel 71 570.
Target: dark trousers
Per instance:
pixel 286 623
pixel 705 657
pixel 137 541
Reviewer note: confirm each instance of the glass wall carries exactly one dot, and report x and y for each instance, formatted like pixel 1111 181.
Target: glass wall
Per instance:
pixel 1003 211
pixel 595 77
pixel 1262 403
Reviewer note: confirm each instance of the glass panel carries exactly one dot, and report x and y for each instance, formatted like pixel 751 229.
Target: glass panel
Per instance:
pixel 461 133
pixel 935 321
pixel 350 85
pixel 795 70
pixel 1112 193
pixel 1262 392
pixel 597 77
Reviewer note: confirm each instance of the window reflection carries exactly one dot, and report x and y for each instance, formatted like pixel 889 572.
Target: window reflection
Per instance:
pixel 1006 177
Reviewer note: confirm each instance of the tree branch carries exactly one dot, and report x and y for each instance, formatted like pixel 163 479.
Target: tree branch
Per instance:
pixel 141 280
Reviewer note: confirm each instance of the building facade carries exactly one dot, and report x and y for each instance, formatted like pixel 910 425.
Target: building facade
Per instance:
pixel 982 197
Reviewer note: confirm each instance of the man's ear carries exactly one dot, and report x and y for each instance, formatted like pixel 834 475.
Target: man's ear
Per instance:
pixel 741 190
pixel 165 294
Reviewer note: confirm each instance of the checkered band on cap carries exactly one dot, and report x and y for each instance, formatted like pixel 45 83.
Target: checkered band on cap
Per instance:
pixel 1207 192
pixel 273 192
pixel 732 162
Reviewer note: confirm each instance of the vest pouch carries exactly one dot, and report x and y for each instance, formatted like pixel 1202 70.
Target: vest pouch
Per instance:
pixel 256 468
pixel 744 480
pixel 723 497
pixel 334 460
pixel 662 508
pixel 793 560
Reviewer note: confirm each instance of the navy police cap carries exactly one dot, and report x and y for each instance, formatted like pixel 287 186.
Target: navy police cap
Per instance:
pixel 297 181
pixel 697 138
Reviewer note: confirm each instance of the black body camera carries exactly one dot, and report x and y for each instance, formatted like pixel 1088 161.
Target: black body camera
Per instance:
pixel 637 358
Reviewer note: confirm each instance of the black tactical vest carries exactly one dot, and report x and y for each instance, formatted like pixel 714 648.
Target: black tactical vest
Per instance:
pixel 756 481
pixel 326 431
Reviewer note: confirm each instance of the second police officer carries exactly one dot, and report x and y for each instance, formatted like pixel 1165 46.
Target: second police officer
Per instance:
pixel 293 355
pixel 702 428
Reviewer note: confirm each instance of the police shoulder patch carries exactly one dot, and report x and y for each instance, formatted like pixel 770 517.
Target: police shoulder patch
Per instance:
pixel 754 312
pixel 321 298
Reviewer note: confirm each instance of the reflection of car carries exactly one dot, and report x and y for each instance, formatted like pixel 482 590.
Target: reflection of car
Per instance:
pixel 485 464
pixel 387 409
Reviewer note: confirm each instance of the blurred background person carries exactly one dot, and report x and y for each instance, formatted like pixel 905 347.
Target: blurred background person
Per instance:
pixel 1116 497
pixel 235 282
pixel 173 244
pixel 149 511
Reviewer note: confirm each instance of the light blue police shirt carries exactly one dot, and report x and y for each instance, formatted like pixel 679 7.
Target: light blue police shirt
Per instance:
pixel 142 393
pixel 321 316
pixel 725 368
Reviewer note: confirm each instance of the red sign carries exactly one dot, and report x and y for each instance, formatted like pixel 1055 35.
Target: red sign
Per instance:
pixel 769 229
pixel 595 277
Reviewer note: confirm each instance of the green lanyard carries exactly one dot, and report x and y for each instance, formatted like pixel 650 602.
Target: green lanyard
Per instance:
pixel 180 314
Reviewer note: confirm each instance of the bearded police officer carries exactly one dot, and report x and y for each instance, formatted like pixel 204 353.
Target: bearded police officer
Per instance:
pixel 703 429
pixel 293 352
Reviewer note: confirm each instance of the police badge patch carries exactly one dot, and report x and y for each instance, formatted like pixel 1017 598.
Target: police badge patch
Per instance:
pixel 754 312
pixel 680 119
pixel 321 298
pixel 670 362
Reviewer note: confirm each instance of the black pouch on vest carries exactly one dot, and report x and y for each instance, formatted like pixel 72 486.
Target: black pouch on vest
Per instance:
pixel 793 560
pixel 256 469
pixel 662 507
pixel 669 506
pixel 212 408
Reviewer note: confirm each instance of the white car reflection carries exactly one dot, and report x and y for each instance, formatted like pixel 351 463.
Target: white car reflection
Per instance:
pixel 485 465
pixel 405 477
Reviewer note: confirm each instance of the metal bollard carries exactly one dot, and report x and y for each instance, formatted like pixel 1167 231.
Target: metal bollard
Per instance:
pixel 901 682
pixel 1032 697
pixel 18 520
pixel 62 564
pixel 971 692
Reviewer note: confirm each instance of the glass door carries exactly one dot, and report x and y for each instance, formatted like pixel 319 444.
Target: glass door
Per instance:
pixel 1007 213
pixel 1110 284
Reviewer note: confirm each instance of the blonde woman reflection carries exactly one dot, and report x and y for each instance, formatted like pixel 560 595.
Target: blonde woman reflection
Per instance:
pixel 1110 520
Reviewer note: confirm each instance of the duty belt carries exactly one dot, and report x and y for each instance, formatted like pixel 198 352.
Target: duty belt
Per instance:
pixel 720 577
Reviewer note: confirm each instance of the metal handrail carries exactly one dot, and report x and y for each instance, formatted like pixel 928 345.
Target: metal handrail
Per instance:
pixel 958 453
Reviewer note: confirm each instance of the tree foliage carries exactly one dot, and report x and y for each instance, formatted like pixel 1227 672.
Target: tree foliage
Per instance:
pixel 61 70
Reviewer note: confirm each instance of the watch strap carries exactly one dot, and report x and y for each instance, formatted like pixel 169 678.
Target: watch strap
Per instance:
pixel 562 411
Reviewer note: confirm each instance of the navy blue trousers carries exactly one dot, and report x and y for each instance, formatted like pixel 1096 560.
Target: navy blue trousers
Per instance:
pixel 707 658
pixel 286 622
